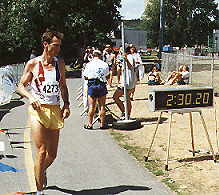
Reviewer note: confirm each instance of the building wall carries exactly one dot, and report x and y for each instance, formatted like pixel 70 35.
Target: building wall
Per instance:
pixel 135 37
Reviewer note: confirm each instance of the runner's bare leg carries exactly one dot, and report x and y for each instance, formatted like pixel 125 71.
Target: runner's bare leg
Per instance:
pixel 102 112
pixel 51 146
pixel 39 137
pixel 92 108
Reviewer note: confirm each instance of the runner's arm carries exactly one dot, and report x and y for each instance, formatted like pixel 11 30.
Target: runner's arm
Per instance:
pixel 25 80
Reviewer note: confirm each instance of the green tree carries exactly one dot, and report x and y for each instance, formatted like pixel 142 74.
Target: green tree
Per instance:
pixel 187 22
pixel 82 22
pixel 203 20
pixel 150 20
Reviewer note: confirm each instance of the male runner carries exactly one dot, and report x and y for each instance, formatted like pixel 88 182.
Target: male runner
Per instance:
pixel 45 75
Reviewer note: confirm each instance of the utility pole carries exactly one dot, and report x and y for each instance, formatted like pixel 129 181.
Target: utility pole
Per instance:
pixel 161 33
pixel 124 73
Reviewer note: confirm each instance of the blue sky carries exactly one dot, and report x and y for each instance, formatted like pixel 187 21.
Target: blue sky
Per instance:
pixel 133 9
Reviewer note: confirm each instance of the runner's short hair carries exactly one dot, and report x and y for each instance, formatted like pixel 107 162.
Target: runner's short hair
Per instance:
pixel 48 36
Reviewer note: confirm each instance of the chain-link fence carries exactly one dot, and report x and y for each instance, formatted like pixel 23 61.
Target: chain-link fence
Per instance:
pixel 204 70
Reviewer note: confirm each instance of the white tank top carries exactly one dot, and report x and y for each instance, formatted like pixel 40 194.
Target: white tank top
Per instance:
pixel 45 83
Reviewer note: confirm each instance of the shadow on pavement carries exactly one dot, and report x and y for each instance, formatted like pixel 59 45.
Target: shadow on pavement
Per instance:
pixel 18 144
pixel 4 109
pixel 10 156
pixel 102 191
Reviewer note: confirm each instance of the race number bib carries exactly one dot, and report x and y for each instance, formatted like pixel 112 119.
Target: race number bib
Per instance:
pixel 50 88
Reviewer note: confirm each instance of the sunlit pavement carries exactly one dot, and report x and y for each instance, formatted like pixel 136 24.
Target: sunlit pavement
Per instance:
pixel 88 162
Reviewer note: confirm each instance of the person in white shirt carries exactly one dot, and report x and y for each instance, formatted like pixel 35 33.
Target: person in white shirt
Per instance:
pixel 139 68
pixel 97 73
pixel 108 57
pixel 130 83
pixel 184 77
pixel 138 63
pixel 181 77
pixel 118 63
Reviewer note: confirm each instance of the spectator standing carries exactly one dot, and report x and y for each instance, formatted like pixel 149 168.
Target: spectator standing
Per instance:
pixel 109 57
pixel 118 63
pixel 88 57
pixel 130 83
pixel 139 68
pixel 97 73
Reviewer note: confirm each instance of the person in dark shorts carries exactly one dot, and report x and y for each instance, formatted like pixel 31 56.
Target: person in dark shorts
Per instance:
pixel 97 73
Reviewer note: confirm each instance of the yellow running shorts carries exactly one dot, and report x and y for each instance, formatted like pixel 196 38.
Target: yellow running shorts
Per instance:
pixel 49 116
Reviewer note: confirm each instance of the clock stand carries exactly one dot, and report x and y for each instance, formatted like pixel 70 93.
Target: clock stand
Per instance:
pixel 171 112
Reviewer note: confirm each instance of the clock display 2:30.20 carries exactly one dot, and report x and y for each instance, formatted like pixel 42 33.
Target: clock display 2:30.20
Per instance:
pixel 180 99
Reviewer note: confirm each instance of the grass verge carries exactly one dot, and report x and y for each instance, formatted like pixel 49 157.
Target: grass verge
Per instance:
pixel 155 166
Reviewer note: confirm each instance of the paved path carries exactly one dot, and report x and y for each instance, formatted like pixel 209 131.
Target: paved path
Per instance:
pixel 89 161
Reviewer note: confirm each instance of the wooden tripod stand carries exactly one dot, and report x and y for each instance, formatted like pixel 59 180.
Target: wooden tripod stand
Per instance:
pixel 192 135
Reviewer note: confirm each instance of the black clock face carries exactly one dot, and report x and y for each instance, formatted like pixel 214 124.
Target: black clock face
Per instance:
pixel 165 100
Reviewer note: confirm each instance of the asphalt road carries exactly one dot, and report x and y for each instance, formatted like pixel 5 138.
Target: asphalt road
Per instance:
pixel 89 162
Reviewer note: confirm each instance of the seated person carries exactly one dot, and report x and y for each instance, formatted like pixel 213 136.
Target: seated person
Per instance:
pixel 171 79
pixel 181 77
pixel 184 76
pixel 154 76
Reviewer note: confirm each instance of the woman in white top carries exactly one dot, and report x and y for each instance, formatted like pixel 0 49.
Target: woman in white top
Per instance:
pixel 181 77
pixel 109 57
pixel 130 83
pixel 139 68
pixel 138 63
pixel 184 76
pixel 118 63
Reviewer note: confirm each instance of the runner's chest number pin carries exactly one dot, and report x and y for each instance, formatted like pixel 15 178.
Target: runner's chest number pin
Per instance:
pixel 50 88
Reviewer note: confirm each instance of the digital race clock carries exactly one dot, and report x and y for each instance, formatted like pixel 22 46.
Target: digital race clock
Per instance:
pixel 162 99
